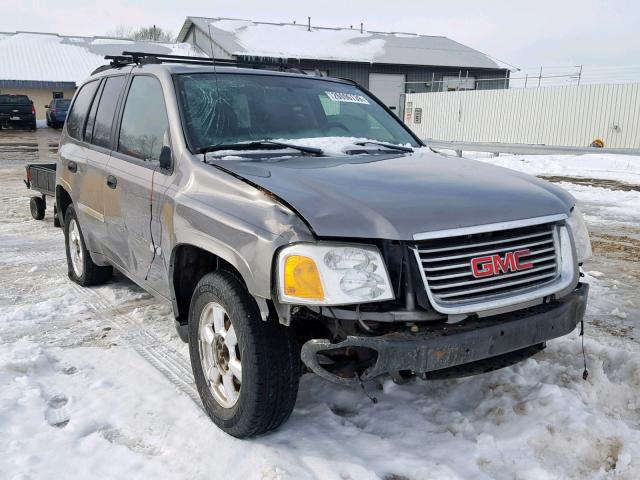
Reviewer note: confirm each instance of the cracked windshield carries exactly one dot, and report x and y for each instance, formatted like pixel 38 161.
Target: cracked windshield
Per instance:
pixel 242 108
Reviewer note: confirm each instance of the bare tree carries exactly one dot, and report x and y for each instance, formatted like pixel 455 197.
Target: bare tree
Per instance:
pixel 121 31
pixel 152 33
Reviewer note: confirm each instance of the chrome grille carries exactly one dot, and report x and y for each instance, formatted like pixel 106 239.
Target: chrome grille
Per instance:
pixel 447 270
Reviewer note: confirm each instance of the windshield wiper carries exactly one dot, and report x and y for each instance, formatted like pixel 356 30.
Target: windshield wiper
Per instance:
pixel 387 145
pixel 259 144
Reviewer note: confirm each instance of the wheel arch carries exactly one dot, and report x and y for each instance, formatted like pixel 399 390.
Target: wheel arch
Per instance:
pixel 63 200
pixel 190 262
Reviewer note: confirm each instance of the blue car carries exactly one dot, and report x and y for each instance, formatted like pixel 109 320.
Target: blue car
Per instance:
pixel 57 112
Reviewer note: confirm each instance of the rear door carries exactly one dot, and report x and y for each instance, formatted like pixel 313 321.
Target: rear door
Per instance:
pixel 83 177
pixel 137 193
pixel 98 132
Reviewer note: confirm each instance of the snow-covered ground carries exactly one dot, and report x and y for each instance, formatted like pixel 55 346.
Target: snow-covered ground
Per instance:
pixel 625 168
pixel 94 383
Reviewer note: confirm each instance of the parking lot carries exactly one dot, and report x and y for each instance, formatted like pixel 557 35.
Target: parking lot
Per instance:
pixel 99 373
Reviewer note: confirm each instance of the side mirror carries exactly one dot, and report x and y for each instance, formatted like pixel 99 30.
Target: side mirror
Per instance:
pixel 46 106
pixel 165 159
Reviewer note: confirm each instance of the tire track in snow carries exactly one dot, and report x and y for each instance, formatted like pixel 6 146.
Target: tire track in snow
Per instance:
pixel 164 358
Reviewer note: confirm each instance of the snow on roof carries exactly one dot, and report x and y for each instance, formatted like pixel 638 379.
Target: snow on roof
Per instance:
pixel 48 57
pixel 287 40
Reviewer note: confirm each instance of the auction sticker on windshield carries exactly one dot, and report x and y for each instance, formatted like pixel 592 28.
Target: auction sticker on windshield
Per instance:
pixel 347 97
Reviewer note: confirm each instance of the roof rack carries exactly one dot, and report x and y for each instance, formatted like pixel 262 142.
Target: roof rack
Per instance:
pixel 145 58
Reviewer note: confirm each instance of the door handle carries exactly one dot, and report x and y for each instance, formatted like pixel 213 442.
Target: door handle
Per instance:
pixel 72 166
pixel 112 182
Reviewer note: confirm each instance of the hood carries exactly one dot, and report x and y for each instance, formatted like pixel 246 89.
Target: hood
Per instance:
pixel 396 196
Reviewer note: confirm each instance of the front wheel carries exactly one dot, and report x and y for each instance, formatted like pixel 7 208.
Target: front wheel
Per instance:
pixel 246 370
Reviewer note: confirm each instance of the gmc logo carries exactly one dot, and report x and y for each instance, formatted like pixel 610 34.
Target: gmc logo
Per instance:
pixel 496 264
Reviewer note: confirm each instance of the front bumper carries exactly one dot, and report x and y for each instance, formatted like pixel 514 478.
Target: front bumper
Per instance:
pixel 445 346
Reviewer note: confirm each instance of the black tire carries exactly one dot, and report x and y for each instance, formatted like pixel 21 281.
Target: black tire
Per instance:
pixel 89 273
pixel 56 219
pixel 37 207
pixel 268 353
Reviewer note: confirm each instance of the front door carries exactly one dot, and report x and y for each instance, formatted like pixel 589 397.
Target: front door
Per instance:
pixel 136 197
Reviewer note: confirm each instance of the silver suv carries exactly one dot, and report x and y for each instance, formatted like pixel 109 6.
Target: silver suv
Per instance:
pixel 294 223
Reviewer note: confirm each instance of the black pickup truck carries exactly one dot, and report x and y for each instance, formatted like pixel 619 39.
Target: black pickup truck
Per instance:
pixel 18 111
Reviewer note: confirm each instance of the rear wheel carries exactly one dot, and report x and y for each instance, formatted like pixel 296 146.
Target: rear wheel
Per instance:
pixel 246 369
pixel 56 218
pixel 37 207
pixel 80 267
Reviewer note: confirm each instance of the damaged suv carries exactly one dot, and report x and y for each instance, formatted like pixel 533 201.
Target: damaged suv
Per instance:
pixel 295 224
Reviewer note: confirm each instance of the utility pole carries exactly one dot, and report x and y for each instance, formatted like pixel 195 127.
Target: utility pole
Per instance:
pixel 540 77
pixel 579 74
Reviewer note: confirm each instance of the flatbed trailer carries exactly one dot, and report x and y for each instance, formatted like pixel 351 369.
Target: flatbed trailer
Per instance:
pixel 41 177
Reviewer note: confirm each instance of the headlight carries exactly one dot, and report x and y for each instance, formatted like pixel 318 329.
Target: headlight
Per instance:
pixel 332 274
pixel 580 235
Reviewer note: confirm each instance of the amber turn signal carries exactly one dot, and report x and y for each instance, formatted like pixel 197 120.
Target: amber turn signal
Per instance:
pixel 301 278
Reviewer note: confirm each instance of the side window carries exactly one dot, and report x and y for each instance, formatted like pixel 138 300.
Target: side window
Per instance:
pixel 106 109
pixel 144 121
pixel 91 118
pixel 78 114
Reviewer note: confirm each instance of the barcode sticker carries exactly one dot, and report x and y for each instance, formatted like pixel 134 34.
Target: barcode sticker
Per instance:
pixel 347 97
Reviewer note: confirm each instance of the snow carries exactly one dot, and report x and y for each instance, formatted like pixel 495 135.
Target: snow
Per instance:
pixel 94 383
pixel 625 168
pixel 286 41
pixel 334 145
pixel 299 41
pixel 53 58
pixel 331 146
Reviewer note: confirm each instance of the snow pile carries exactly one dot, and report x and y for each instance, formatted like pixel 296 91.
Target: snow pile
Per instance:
pixel 294 41
pixel 607 207
pixel 625 168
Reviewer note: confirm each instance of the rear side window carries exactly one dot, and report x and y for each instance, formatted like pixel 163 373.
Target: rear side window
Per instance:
pixel 144 121
pixel 78 114
pixel 15 99
pixel 106 109
pixel 91 118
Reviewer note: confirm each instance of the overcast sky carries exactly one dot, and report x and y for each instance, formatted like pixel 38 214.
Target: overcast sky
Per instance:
pixel 523 33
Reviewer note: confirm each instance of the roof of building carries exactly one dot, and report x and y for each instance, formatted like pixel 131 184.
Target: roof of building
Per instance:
pixel 46 58
pixel 240 37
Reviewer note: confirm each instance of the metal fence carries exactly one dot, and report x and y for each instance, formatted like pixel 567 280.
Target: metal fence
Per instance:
pixel 575 115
